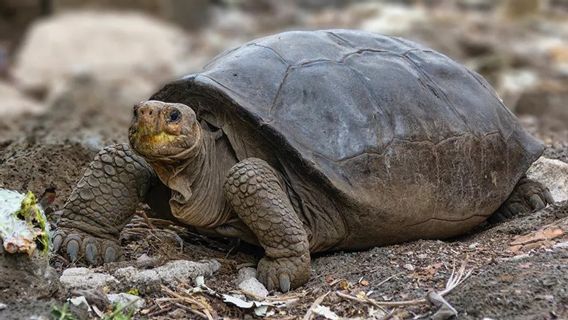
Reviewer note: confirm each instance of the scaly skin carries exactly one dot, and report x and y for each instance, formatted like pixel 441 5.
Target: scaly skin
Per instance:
pixel 101 204
pixel 256 194
pixel 527 196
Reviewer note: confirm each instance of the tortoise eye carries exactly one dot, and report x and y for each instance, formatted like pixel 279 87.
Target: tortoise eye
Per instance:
pixel 174 116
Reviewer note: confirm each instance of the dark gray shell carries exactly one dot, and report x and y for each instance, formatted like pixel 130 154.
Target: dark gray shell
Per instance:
pixel 365 113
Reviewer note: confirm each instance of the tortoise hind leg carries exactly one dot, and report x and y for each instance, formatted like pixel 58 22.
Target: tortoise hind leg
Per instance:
pixel 527 196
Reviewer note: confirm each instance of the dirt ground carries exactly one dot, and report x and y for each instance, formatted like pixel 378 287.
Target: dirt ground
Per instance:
pixel 519 268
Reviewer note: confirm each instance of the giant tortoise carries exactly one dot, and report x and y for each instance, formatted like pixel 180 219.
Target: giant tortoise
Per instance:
pixel 304 142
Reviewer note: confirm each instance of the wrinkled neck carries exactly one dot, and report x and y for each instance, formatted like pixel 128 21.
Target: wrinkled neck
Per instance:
pixel 196 181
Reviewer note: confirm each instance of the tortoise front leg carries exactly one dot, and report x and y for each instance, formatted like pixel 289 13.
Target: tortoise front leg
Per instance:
pixel 256 194
pixel 101 204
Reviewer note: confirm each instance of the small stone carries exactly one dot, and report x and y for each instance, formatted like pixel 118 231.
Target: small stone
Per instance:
pixel 3 306
pixel 145 261
pixel 560 245
pixel 408 267
pixel 136 303
pixel 422 256
pixel 473 245
pixel 253 287
pixel 245 274
pixel 199 281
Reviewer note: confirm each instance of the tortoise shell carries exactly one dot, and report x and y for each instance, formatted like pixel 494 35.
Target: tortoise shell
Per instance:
pixel 399 137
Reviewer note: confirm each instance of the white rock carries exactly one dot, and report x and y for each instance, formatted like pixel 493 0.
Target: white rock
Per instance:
pixel 392 18
pixel 85 278
pixel 116 47
pixel 253 287
pixel 170 273
pixel 245 274
pixel 409 267
pixel 125 298
pixel 560 245
pixel 248 283
pixel 553 174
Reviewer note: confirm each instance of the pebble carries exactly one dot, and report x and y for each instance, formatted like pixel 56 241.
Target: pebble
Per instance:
pixel 560 245
pixel 253 287
pixel 409 267
pixel 126 298
pixel 248 283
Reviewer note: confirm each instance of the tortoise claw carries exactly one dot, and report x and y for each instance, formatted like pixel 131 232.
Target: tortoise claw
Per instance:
pixel 284 273
pixel 91 253
pixel 78 246
pixel 528 196
pixel 284 280
pixel 111 254
pixel 73 250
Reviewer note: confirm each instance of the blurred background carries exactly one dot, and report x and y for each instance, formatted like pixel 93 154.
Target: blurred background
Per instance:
pixel 70 70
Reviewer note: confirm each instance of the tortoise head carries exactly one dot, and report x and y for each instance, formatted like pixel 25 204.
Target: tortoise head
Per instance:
pixel 161 130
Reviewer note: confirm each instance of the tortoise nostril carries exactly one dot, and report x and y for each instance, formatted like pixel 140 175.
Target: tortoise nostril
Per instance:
pixel 150 112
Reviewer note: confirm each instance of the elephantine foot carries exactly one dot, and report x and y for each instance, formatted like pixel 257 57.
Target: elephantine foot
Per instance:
pixel 528 196
pixel 284 273
pixel 78 246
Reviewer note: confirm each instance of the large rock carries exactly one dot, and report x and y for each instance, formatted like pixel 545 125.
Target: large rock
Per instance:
pixel 553 174
pixel 115 47
pixel 170 273
pixel 188 14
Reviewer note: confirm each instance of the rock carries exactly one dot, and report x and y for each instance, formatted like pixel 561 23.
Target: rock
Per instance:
pixel 144 261
pixel 394 19
pixel 408 267
pixel 560 245
pixel 170 273
pixel 137 303
pixel 249 284
pixel 95 297
pixel 85 278
pixel 188 14
pixel 3 306
pixel 553 174
pixel 253 287
pixel 245 274
pixel 117 48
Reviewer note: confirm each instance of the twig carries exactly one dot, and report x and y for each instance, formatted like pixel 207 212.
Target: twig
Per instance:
pixel 452 283
pixel 189 300
pixel 198 313
pixel 144 216
pixel 389 278
pixel 317 302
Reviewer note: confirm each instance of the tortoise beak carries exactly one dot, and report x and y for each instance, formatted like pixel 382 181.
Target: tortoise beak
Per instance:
pixel 146 119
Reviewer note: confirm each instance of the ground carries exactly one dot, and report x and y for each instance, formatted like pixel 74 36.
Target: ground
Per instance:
pixel 519 267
